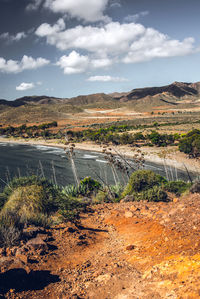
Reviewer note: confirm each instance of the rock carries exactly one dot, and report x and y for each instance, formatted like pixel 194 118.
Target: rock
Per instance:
pixel 31 232
pixel 2 252
pixel 70 229
pixel 128 214
pixel 130 247
pixel 103 278
pixel 8 252
pixel 37 243
pixel 175 200
pixel 23 258
pixel 134 209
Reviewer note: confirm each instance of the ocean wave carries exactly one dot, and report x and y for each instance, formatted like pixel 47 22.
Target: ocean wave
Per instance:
pixel 101 161
pixel 86 156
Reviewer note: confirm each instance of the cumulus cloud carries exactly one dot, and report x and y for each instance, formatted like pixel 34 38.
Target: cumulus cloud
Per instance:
pixel 27 63
pixel 109 44
pixel 13 38
pixel 74 63
pixel 110 38
pixel 25 86
pixel 90 10
pixel 106 79
pixel 34 5
pixel 157 45
pixel 115 40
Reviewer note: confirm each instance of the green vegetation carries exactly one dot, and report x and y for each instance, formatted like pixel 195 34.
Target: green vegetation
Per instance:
pixel 35 201
pixel 29 131
pixel 177 187
pixel 146 185
pixel 190 143
pixel 31 200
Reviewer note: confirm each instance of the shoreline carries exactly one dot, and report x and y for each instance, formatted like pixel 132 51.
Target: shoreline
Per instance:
pixel 169 156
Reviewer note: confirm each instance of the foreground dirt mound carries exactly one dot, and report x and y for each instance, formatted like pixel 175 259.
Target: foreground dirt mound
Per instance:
pixel 125 250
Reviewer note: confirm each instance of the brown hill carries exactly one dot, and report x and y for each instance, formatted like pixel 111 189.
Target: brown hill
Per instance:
pixel 175 91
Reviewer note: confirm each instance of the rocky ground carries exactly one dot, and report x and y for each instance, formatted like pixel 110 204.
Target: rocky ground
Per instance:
pixel 126 250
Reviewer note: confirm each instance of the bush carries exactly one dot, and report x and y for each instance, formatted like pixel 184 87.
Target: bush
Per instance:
pixel 69 209
pixel 195 187
pixel 177 187
pixel 142 180
pixel 155 194
pixel 10 229
pixel 102 196
pixel 190 143
pixel 90 184
pixel 49 198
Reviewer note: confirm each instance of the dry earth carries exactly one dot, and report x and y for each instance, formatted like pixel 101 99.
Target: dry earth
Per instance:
pixel 125 250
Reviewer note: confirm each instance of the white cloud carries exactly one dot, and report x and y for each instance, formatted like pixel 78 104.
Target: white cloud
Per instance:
pixel 106 79
pixel 111 38
pixel 101 63
pixel 157 45
pixel 134 18
pixel 13 38
pixel 27 63
pixel 115 42
pixel 46 30
pixel 74 63
pixel 34 5
pixel 87 10
pixel 25 86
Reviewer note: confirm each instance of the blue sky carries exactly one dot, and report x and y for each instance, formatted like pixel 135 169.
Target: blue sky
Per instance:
pixel 65 48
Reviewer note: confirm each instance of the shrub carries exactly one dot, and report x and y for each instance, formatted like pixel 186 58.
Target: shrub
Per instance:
pixel 48 200
pixel 90 184
pixel 153 194
pixel 142 180
pixel 195 187
pixel 177 187
pixel 10 229
pixel 69 209
pixel 102 196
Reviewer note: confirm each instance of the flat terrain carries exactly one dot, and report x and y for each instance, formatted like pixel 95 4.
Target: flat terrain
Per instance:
pixel 125 250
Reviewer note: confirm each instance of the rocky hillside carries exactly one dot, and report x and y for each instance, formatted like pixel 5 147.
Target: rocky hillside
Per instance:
pixel 125 250
pixel 176 91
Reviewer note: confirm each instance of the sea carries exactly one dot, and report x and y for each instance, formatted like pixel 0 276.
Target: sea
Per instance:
pixel 18 160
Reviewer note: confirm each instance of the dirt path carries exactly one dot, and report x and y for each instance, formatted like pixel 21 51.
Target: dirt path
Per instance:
pixel 121 251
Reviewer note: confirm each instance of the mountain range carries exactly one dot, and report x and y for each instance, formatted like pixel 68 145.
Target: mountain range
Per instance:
pixel 171 94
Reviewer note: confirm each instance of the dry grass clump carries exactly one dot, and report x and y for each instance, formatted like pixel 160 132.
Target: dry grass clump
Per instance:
pixel 26 200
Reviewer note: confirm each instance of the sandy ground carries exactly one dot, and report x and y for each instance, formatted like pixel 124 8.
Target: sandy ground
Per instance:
pixel 168 156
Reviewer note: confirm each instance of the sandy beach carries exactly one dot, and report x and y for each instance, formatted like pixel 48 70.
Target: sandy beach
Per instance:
pixel 170 155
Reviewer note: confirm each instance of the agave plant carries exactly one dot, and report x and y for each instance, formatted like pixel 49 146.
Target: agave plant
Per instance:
pixel 71 191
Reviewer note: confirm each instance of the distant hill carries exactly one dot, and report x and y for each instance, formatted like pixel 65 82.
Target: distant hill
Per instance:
pixel 175 91
pixel 178 95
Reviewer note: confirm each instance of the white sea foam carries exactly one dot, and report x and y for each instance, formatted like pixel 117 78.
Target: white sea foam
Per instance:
pixel 101 161
pixel 86 156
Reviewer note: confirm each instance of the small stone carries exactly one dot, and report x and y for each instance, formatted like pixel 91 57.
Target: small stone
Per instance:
pixel 128 214
pixel 37 243
pixel 130 247
pixel 175 200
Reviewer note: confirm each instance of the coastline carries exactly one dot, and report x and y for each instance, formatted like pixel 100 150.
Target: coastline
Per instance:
pixel 169 156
